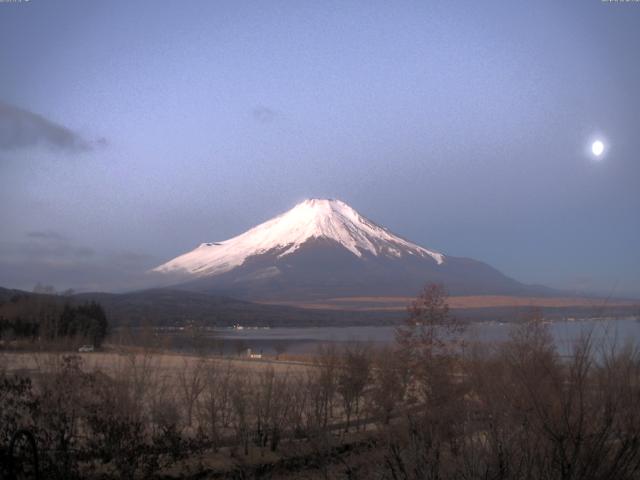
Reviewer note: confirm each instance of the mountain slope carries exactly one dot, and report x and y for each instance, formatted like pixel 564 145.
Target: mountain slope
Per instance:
pixel 286 233
pixel 324 248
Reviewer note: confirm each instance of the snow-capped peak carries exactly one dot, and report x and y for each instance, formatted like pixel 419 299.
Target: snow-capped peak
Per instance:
pixel 286 233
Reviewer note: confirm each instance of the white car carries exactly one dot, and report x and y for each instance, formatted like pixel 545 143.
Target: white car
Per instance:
pixel 86 348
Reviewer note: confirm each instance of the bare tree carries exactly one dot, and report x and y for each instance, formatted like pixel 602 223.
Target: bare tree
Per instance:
pixel 429 328
pixel 428 344
pixel 191 383
pixel 214 407
pixel 353 377
pixel 270 402
pixel 323 384
pixel 240 347
pixel 240 398
pixel 280 346
pixel 298 412
pixel 388 387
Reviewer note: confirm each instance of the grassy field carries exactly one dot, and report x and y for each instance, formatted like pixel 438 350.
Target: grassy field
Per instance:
pixel 458 302
pixel 165 366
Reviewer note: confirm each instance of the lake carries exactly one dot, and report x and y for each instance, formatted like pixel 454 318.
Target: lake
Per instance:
pixel 307 339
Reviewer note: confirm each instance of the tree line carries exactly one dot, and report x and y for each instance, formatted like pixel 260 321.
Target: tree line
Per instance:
pixel 51 318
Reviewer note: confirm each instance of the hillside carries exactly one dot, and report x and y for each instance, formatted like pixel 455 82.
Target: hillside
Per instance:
pixel 324 248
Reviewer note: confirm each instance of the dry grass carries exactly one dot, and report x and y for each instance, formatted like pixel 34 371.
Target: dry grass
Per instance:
pixel 457 302
pixel 163 363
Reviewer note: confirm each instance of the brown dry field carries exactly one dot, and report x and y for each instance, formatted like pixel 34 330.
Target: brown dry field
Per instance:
pixel 162 363
pixel 455 302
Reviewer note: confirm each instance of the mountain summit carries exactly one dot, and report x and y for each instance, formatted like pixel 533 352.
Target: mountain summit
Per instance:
pixel 283 235
pixel 324 248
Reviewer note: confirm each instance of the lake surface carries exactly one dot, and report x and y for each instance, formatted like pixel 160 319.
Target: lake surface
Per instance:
pixel 307 339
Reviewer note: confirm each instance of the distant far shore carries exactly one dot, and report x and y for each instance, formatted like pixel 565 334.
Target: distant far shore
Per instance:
pixel 389 303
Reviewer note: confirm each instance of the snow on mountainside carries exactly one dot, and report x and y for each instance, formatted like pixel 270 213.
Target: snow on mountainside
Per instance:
pixel 286 233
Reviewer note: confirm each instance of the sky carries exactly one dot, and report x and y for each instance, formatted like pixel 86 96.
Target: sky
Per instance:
pixel 131 132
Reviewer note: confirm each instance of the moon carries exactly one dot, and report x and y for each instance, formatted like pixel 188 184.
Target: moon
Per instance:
pixel 597 148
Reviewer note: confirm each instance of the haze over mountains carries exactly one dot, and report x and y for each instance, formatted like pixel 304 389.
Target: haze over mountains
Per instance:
pixel 322 263
pixel 323 248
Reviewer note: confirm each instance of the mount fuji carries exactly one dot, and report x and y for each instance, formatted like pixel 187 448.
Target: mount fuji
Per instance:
pixel 323 248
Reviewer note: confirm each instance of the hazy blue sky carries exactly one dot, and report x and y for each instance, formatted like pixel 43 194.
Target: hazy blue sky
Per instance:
pixel 132 131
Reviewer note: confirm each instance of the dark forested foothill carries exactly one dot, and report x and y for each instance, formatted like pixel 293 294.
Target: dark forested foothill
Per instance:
pixel 49 317
pixel 88 321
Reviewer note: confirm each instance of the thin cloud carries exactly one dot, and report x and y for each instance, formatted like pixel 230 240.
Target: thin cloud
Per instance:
pixel 49 258
pixel 133 260
pixel 50 250
pixel 46 235
pixel 20 128
pixel 263 114
pixel 45 246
